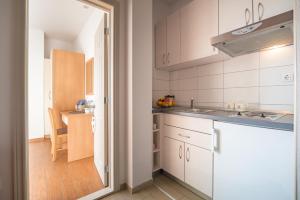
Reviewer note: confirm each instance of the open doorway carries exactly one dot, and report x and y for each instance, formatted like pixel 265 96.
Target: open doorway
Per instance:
pixel 70 97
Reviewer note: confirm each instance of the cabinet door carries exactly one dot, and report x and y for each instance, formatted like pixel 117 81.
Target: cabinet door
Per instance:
pixel 199 23
pixel 253 163
pixel 233 14
pixel 268 8
pixel 161 44
pixel 198 168
pixel 173 160
pixel 173 39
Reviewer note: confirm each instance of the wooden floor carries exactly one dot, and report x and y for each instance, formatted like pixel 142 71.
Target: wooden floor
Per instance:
pixel 59 180
pixel 163 188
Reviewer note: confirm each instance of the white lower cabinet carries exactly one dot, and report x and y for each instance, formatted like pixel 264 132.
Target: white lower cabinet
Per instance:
pixel 187 151
pixel 198 168
pixel 173 160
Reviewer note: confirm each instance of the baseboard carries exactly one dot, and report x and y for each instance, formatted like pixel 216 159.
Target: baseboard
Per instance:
pixel 123 186
pixel 36 140
pixel 139 187
pixel 46 137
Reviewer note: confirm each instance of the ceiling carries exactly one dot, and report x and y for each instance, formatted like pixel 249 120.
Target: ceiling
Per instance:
pixel 59 19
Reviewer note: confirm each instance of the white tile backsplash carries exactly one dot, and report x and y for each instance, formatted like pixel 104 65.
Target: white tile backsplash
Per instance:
pixel 210 82
pixel 187 73
pixel 210 96
pixel 241 79
pixel 277 57
pixel 256 79
pixel 242 63
pixel 188 84
pixel 275 75
pixel 210 69
pixel 277 95
pixel 161 85
pixel 242 95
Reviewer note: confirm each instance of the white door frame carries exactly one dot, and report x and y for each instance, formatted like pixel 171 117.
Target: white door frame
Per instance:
pixel 21 175
pixel 297 93
pixel 110 7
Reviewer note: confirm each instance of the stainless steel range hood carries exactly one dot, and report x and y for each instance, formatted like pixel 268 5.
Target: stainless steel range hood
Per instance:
pixel 267 34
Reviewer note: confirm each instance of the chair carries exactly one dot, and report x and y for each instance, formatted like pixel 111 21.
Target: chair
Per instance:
pixel 58 134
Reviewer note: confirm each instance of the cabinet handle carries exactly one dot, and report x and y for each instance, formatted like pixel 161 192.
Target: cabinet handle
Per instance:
pixel 180 152
pixel 164 58
pixel 247 16
pixel 214 141
pixel 188 154
pixel 185 136
pixel 261 11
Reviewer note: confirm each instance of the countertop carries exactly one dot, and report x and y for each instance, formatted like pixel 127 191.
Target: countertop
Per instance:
pixel 284 123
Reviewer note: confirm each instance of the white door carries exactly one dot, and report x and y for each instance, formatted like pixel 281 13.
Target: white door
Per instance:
pixel 268 8
pixel 253 163
pixel 198 168
pixel 173 39
pixel 161 44
pixel 100 114
pixel 234 14
pixel 199 23
pixel 173 160
pixel 47 95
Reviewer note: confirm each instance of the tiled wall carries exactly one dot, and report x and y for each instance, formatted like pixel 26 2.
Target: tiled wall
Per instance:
pixel 255 79
pixel 160 84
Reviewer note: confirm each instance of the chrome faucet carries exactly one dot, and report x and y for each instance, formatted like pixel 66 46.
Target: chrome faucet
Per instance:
pixel 192 103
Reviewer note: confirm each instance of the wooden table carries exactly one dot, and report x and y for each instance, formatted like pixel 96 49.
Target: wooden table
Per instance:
pixel 80 135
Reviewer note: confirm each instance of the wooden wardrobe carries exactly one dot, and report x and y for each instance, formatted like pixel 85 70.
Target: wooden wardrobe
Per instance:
pixel 68 76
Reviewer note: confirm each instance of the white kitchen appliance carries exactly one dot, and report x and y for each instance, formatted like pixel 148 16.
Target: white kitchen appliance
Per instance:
pixel 253 163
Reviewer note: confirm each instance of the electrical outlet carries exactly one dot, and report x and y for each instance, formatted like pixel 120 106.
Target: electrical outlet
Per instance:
pixel 289 77
pixel 229 105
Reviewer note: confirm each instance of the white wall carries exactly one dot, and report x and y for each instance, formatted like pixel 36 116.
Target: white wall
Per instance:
pixel 12 20
pixel 256 79
pixel 139 74
pixel 52 43
pixel 35 84
pixel 85 41
pixel 12 92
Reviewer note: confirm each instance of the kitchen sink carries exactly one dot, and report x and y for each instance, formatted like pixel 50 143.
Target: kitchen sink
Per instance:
pixel 196 110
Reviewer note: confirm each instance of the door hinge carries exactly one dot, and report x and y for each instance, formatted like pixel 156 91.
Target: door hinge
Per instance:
pixel 105 100
pixel 106 31
pixel 106 169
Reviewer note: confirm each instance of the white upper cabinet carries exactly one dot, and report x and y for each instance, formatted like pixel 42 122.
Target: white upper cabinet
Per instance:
pixel 199 23
pixel 268 8
pixel 161 44
pixel 173 39
pixel 234 14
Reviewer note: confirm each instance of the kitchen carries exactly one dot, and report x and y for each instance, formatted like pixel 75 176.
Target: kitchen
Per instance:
pixel 232 126
pixel 229 129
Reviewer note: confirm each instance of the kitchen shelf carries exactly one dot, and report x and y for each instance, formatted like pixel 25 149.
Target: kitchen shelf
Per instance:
pixel 157 121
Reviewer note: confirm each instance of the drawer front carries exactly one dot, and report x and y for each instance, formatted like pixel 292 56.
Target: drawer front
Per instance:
pixel 191 123
pixel 195 138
